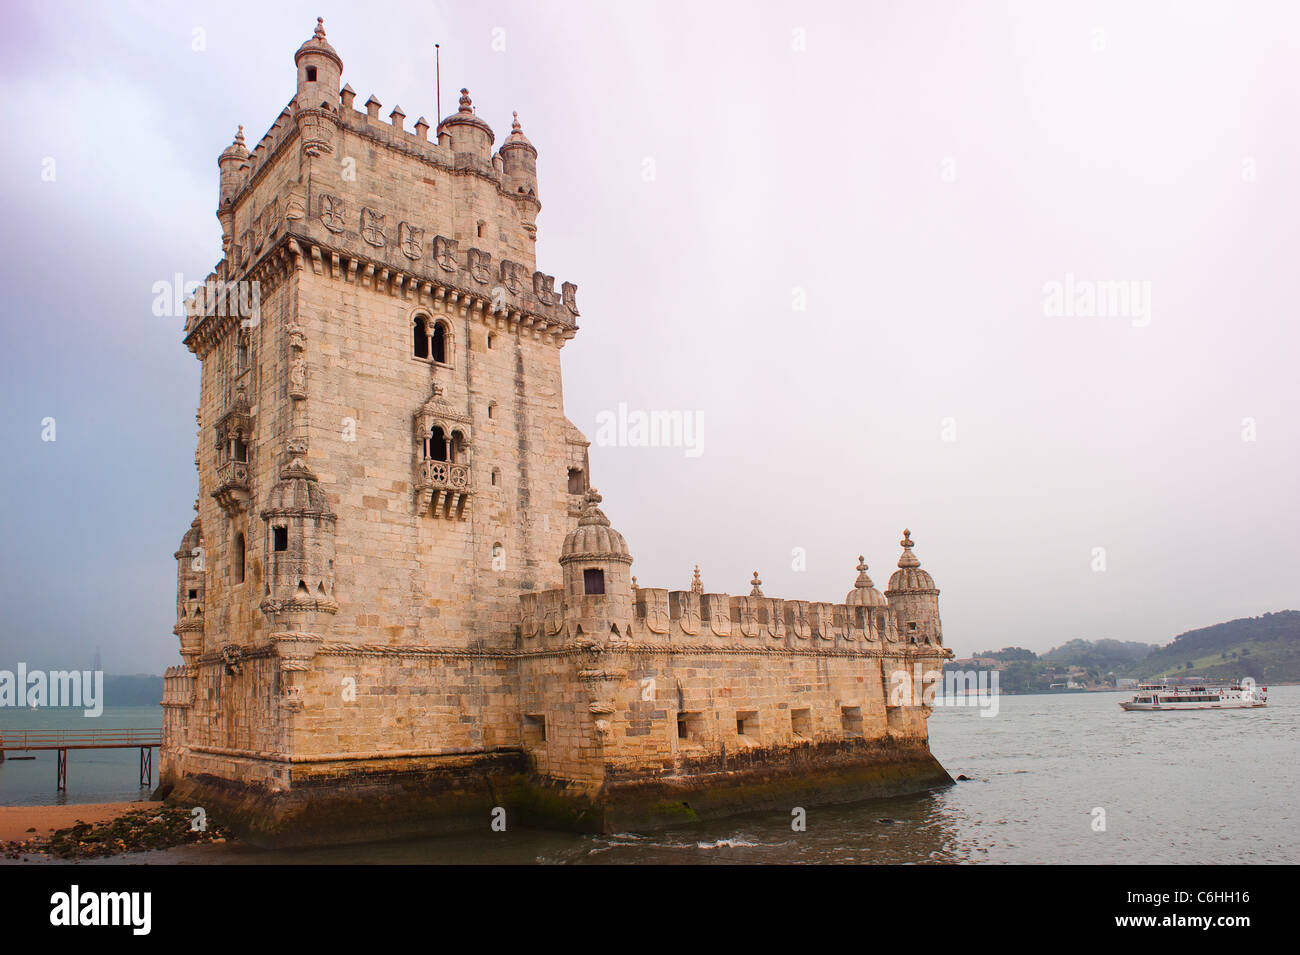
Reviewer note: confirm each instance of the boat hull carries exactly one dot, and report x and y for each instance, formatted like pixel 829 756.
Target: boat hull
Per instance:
pixel 1128 705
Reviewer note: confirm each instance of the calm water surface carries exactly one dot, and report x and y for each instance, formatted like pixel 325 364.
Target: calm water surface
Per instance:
pixel 1193 787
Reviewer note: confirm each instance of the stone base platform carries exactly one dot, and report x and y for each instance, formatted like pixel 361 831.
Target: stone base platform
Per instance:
pixel 376 800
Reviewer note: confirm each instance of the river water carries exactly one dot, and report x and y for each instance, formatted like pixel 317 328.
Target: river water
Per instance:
pixel 1060 778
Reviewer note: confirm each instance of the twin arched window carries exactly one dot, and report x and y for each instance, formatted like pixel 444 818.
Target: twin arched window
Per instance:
pixel 429 339
pixel 441 446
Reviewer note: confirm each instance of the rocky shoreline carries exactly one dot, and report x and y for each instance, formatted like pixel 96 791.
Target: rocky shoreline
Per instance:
pixel 136 830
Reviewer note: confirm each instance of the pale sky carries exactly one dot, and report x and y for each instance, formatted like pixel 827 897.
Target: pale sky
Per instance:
pixel 914 175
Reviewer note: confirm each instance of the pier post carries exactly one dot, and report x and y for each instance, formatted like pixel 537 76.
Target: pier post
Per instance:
pixel 62 783
pixel 146 766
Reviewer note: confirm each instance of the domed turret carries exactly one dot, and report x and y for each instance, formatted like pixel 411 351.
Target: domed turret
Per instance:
pixel 519 163
pixel 190 583
pixel 596 565
pixel 320 70
pixel 913 597
pixel 466 133
pixel 300 544
pixel 231 158
pixel 864 592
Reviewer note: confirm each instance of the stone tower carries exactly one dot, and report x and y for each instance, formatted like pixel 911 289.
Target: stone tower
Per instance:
pixel 400 604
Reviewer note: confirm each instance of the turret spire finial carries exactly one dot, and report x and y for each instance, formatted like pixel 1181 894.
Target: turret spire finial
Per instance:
pixel 514 126
pixel 466 104
pixel 757 590
pixel 863 580
pixel 697 585
pixel 319 32
pixel 908 559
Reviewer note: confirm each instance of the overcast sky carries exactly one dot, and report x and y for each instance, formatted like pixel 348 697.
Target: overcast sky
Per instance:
pixel 829 232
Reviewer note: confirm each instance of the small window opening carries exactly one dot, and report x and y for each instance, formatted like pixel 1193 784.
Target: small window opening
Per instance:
pixel 420 336
pixel 496 476
pixel 438 343
pixel 576 484
pixel 194 595
pixel 492 410
pixel 689 725
pixel 481 226
pixel 239 558
pixel 311 74
pixel 747 723
pixel 801 723
pixel 280 537
pixel 439 447
pixel 851 720
pixel 593 581
pixel 534 729
pixel 491 341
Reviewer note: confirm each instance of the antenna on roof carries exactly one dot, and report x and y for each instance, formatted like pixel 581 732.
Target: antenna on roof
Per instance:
pixel 437 59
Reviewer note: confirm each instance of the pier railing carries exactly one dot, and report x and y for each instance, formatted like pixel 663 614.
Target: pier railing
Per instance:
pixel 64 740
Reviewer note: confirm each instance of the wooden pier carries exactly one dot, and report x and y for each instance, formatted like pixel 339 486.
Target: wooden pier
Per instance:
pixel 63 740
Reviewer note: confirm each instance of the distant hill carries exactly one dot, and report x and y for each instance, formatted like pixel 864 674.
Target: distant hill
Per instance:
pixel 134 690
pixel 1266 649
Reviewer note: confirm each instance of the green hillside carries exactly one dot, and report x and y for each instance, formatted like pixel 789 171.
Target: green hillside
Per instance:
pixel 1265 648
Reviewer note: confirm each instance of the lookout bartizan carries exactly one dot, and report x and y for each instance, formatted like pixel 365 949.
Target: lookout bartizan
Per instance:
pixel 400 606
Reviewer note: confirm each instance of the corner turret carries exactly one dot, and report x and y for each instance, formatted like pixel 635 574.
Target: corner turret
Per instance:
pixel 597 565
pixel 229 162
pixel 914 599
pixel 319 71
pixel 519 165
pixel 466 135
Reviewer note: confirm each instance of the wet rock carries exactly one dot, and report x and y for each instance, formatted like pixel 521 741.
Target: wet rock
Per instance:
pixel 139 830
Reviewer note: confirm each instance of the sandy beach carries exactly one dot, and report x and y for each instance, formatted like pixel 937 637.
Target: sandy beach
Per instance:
pixel 16 820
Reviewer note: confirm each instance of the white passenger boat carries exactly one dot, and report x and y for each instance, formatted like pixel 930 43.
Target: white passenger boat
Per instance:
pixel 1164 696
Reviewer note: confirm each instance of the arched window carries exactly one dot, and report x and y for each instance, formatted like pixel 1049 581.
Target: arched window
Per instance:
pixel 239 558
pixel 420 343
pixel 438 342
pixel 438 447
pixel 457 447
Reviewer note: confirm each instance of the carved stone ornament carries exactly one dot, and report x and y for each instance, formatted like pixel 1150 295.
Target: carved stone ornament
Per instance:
pixel 444 253
pixel 411 240
pixel 569 296
pixel 372 227
pixel 480 265
pixel 331 213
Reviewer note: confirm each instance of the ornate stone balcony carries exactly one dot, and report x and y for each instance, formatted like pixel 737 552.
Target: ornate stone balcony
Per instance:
pixel 232 486
pixel 443 488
